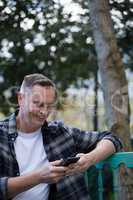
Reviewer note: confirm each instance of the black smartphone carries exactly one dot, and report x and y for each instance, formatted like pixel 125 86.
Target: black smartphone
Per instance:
pixel 69 160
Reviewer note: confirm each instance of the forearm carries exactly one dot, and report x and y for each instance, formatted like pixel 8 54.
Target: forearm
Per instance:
pixel 103 149
pixel 20 184
pixel 49 174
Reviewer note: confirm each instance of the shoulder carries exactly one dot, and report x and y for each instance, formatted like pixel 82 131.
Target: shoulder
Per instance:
pixel 4 122
pixel 56 123
pixel 58 126
pixel 3 128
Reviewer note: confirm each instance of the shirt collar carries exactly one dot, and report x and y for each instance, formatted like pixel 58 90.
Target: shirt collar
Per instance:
pixel 12 124
pixel 12 130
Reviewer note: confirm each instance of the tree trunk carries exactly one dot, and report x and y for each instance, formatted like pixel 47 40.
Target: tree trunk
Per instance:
pixel 95 116
pixel 112 72
pixel 114 83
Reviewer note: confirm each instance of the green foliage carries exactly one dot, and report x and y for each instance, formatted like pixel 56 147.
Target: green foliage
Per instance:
pixel 37 36
pixel 122 14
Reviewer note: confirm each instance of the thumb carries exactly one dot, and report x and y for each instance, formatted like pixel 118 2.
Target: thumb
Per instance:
pixel 79 154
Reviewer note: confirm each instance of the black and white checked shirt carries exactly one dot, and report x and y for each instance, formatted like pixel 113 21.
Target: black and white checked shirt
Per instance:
pixel 59 142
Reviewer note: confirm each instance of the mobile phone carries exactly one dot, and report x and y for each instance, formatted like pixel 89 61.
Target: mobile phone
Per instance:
pixel 69 160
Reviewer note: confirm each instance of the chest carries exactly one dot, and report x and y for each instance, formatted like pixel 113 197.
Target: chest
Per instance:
pixel 59 144
pixel 30 153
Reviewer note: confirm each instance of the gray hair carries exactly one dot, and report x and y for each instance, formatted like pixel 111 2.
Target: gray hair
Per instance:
pixel 36 79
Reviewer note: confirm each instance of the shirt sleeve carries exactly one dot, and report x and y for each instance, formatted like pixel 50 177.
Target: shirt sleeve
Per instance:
pixel 86 141
pixel 3 188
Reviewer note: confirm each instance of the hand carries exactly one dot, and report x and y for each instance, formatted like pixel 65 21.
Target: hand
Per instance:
pixel 81 165
pixel 50 173
pixel 53 172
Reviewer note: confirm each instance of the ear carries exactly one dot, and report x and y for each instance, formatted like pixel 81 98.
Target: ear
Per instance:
pixel 20 98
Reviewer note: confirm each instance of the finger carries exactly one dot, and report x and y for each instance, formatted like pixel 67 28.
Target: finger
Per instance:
pixel 70 172
pixel 79 154
pixel 56 162
pixel 59 169
pixel 57 178
pixel 54 178
pixel 72 169
pixel 72 166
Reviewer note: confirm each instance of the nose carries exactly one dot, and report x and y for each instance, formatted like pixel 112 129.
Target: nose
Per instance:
pixel 44 110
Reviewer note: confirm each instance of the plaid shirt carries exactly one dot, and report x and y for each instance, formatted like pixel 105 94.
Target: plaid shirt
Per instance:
pixel 59 142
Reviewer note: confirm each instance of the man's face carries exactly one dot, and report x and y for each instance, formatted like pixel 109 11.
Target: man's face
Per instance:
pixel 37 104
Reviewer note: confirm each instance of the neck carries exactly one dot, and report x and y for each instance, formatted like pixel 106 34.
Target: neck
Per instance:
pixel 24 125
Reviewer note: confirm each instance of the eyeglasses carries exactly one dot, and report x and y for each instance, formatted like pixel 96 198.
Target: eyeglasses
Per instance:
pixel 48 106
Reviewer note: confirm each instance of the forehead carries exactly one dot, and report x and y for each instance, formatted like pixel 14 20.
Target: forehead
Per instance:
pixel 43 92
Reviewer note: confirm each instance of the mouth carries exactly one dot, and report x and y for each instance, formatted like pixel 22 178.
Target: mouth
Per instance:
pixel 37 117
pixel 42 118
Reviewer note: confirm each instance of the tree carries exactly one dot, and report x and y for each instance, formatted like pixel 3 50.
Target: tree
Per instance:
pixel 121 14
pixel 122 17
pixel 37 36
pixel 111 69
pixel 112 73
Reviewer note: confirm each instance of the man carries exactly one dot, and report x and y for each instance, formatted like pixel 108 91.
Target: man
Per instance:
pixel 32 149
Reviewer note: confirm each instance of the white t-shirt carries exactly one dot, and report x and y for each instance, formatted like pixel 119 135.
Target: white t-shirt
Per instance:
pixel 31 156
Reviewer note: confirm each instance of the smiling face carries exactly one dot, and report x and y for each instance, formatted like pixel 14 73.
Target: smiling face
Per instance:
pixel 36 104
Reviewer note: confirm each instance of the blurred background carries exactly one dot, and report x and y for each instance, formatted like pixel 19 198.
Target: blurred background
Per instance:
pixel 55 38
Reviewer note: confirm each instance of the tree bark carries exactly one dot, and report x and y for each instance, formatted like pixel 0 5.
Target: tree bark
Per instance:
pixel 114 83
pixel 112 72
pixel 95 116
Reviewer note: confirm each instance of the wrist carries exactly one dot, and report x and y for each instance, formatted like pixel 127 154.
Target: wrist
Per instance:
pixel 22 183
pixel 91 158
pixel 38 177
